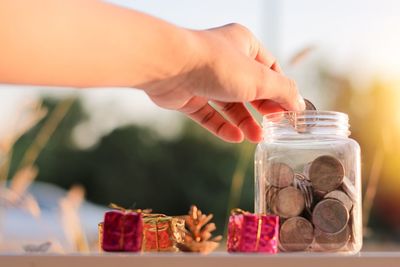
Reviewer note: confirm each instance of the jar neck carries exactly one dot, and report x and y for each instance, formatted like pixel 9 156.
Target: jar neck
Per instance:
pixel 305 124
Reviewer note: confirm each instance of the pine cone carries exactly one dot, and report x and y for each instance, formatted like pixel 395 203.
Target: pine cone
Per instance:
pixel 198 237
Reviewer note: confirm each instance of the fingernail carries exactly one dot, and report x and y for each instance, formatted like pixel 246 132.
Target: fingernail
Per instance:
pixel 300 103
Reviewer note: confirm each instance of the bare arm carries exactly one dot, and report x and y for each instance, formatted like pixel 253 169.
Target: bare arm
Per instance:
pixel 84 43
pixel 89 43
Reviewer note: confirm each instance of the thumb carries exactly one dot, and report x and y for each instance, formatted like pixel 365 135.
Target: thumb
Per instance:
pixel 279 88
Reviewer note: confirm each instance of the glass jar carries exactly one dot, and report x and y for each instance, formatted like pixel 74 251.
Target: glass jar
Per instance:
pixel 307 171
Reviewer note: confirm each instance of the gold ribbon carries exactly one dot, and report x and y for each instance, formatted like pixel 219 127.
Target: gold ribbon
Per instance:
pixel 117 207
pixel 238 211
pixel 173 226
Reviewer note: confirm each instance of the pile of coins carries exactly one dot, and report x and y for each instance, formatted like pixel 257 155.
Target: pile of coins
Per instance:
pixel 315 206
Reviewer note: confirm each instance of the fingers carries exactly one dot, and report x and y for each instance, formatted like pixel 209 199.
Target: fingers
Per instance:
pixel 201 112
pixel 266 106
pixel 277 87
pixel 239 115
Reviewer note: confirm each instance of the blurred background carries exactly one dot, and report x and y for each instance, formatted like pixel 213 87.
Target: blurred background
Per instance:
pixel 66 154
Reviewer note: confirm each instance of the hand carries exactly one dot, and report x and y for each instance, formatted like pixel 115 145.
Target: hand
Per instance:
pixel 229 67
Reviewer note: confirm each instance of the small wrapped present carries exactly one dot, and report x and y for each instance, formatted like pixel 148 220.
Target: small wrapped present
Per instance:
pixel 122 230
pixel 249 232
pixel 162 233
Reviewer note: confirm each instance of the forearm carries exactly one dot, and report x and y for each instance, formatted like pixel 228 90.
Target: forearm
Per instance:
pixel 86 43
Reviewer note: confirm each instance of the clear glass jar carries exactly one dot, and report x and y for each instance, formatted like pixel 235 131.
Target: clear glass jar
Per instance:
pixel 307 171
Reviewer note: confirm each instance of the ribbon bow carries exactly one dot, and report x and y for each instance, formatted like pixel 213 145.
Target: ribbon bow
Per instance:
pixel 117 207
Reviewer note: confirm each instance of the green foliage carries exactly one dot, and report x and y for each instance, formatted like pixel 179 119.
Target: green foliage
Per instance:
pixel 134 166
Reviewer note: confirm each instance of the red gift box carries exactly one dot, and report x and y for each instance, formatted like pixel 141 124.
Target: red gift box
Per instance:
pixel 122 231
pixel 249 232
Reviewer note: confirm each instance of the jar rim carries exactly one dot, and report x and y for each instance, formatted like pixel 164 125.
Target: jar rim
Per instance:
pixel 279 114
pixel 306 122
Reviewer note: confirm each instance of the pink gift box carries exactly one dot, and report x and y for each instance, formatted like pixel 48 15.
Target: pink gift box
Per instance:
pixel 122 231
pixel 249 232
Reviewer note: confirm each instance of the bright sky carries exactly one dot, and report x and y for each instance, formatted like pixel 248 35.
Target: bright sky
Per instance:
pixel 358 37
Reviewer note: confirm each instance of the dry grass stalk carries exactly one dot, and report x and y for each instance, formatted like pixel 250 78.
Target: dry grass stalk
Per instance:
pixel 22 179
pixel 25 119
pixel 301 55
pixel 46 131
pixel 16 194
pixel 69 206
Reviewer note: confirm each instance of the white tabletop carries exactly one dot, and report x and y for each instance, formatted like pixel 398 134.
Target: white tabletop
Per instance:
pixel 220 259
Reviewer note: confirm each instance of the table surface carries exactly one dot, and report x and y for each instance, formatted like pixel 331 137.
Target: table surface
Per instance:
pixel 220 259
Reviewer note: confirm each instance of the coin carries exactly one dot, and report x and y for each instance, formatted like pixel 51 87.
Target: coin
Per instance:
pixel 270 194
pixel 326 173
pixel 330 216
pixel 304 185
pixel 280 175
pixel 349 188
pixel 332 241
pixel 309 105
pixel 296 234
pixel 288 202
pixel 342 197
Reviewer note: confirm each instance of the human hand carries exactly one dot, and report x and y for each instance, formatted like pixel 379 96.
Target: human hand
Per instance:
pixel 228 68
pixel 208 75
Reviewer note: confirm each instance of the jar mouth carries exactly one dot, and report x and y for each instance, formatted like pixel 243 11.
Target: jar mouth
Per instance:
pixel 307 121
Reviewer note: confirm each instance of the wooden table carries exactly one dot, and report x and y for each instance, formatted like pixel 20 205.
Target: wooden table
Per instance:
pixel 219 259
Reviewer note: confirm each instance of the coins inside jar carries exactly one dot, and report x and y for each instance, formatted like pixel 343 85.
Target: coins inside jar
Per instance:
pixel 280 175
pixel 296 234
pixel 326 173
pixel 327 196
pixel 304 185
pixel 332 241
pixel 330 216
pixel 288 202
pixel 342 197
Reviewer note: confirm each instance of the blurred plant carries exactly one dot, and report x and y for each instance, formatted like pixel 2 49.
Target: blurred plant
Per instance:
pixel 27 117
pixel 25 174
pixel 69 206
pixel 14 194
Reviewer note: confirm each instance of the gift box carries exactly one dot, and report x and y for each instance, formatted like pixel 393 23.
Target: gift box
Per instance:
pixel 122 230
pixel 162 233
pixel 249 232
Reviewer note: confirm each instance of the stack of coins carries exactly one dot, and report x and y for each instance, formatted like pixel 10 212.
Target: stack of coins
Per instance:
pixel 315 206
